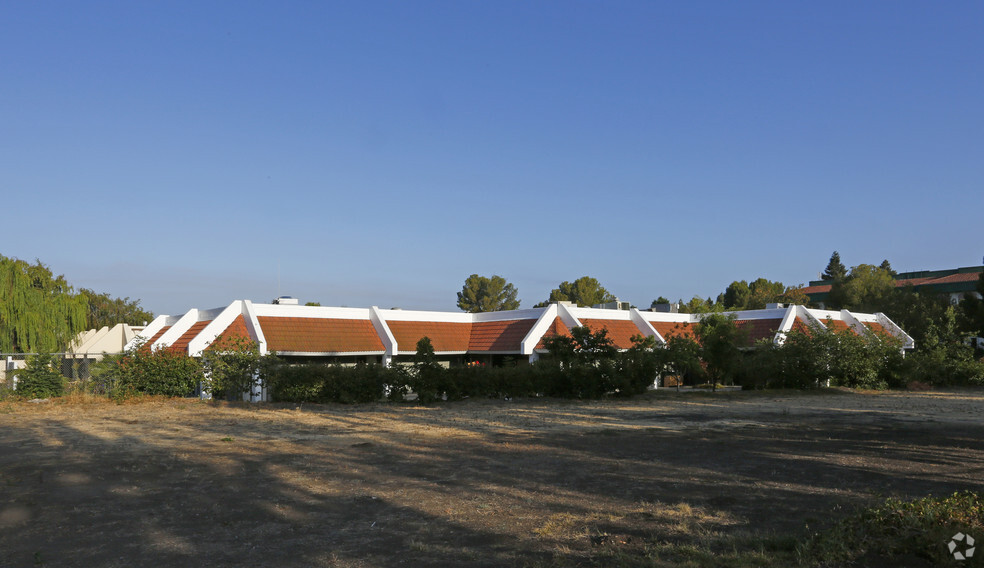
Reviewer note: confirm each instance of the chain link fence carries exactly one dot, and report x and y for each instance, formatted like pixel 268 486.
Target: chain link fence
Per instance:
pixel 74 366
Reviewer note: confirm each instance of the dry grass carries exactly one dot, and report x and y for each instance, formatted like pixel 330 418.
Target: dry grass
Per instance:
pixel 665 479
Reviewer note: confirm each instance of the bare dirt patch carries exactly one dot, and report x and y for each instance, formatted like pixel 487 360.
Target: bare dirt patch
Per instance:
pixel 475 483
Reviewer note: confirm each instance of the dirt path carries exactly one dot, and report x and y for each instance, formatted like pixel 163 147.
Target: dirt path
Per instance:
pixel 476 483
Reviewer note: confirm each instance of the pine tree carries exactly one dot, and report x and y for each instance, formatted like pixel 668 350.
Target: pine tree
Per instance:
pixel 835 269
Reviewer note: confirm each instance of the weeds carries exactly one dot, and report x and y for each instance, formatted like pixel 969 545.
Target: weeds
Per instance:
pixel 898 529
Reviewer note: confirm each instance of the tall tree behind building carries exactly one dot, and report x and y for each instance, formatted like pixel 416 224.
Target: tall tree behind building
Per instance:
pixel 835 268
pixel 484 294
pixel 107 311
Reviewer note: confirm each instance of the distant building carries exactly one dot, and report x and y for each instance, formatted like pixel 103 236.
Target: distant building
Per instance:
pixel 954 283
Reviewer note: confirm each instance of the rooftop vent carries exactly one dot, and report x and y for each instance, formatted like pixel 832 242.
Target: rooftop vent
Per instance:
pixel 614 305
pixel 287 301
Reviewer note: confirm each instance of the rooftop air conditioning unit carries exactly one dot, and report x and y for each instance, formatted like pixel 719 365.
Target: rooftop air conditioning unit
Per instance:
pixel 286 301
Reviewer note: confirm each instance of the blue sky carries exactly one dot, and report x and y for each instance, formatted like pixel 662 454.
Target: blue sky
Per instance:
pixel 377 153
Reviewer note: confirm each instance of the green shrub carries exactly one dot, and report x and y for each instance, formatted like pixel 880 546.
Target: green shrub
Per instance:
pixel 899 530
pixel 230 366
pixel 944 365
pixel 40 379
pixel 157 372
pixel 320 383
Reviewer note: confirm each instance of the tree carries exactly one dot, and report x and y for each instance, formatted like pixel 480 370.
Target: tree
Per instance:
pixel 741 295
pixel 865 289
pixel 682 358
pixel 764 292
pixel 698 305
pixel 231 366
pixel 659 301
pixel 736 295
pixel 484 294
pixel 972 311
pixel 885 265
pixel 585 291
pixel 40 379
pixel 39 312
pixel 795 295
pixel 835 269
pixel 106 311
pixel 720 340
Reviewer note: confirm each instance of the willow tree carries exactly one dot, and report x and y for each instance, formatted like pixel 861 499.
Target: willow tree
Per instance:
pixel 39 312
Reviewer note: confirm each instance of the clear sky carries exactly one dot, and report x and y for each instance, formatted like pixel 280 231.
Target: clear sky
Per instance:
pixel 377 153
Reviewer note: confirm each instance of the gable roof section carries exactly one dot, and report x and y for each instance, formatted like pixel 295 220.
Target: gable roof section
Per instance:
pixel 319 335
pixel 181 345
pixel 445 337
pixel 155 337
pixel 877 328
pixel 758 329
pixel 669 328
pixel 619 331
pixel 558 327
pixel 499 336
pixel 236 330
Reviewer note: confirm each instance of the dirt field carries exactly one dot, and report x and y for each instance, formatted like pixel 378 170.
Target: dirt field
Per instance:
pixel 475 483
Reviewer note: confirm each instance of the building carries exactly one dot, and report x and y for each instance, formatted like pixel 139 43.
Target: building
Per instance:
pixel 374 335
pixel 955 283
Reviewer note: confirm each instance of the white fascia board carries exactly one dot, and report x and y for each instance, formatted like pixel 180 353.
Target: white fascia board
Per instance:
pixel 853 322
pixel 183 324
pixel 647 328
pixel 383 331
pixel 907 341
pixel 666 317
pixel 788 320
pixel 253 326
pixel 822 315
pixel 328 353
pixel 419 315
pixel 773 313
pixel 598 313
pixel 528 344
pixel 509 315
pixel 151 330
pixel 212 331
pixel 414 352
pixel 317 312
pixel 565 314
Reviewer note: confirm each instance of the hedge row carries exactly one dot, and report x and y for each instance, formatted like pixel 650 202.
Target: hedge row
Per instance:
pixel 428 383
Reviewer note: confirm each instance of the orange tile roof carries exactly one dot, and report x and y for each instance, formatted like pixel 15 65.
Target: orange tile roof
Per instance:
pixel 835 325
pixel 877 328
pixel 619 331
pixel 668 328
pixel 499 335
pixel 557 327
pixel 816 289
pixel 320 335
pixel 158 335
pixel 181 345
pixel 237 329
pixel 758 329
pixel 959 277
pixel 444 336
pixel 801 326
